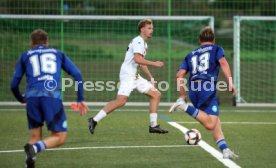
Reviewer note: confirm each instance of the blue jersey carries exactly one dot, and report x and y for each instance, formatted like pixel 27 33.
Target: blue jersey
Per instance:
pixel 42 66
pixel 203 62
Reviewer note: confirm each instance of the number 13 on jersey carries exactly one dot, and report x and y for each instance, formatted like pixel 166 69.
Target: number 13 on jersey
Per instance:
pixel 200 63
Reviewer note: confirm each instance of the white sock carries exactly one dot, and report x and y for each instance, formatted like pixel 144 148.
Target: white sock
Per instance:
pixel 100 116
pixel 186 107
pixel 153 119
pixel 35 148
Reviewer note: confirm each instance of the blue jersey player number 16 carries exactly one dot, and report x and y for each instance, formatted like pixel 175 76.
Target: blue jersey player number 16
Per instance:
pixel 42 66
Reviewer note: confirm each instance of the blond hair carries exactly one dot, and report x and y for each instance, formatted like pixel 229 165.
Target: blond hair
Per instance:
pixel 142 23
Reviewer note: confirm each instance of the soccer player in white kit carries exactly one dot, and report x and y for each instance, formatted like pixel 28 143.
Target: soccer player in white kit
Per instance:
pixel 130 79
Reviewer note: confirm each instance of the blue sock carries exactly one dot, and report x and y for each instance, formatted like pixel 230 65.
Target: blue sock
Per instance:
pixel 222 144
pixel 40 146
pixel 192 111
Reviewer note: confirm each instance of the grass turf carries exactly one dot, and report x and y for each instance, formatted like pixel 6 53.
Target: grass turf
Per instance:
pixel 127 127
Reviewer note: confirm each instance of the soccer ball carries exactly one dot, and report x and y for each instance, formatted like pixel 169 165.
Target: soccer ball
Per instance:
pixel 192 136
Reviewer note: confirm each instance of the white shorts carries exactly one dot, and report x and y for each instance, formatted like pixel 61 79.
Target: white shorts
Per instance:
pixel 127 85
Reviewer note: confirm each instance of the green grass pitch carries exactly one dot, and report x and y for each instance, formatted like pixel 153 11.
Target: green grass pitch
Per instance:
pixel 122 140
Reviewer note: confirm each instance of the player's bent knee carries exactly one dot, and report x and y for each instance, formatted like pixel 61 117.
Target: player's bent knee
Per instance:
pixel 61 137
pixel 157 94
pixel 210 126
pixel 121 103
pixel 210 122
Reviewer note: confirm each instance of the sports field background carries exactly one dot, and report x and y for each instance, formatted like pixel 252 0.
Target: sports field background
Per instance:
pixel 98 47
pixel 122 139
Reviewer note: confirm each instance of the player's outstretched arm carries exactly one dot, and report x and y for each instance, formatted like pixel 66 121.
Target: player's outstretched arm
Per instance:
pixel 15 90
pixel 19 72
pixel 227 74
pixel 69 67
pixel 73 70
pixel 145 69
pixel 139 59
pixel 181 101
pixel 180 83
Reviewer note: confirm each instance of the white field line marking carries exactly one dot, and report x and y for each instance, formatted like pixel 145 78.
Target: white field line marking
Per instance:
pixel 241 122
pixel 208 148
pixel 163 110
pixel 103 147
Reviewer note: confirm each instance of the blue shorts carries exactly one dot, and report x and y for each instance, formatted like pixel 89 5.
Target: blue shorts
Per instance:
pixel 48 109
pixel 205 99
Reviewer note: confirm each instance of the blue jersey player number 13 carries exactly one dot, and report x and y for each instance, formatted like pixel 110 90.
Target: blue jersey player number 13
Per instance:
pixel 203 64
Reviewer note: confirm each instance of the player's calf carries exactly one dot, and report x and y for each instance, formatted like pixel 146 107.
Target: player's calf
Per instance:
pixel 59 137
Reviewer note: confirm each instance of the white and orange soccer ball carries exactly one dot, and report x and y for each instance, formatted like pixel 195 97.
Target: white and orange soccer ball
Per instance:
pixel 192 136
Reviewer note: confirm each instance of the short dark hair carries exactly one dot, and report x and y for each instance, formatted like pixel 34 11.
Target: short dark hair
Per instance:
pixel 142 23
pixel 206 35
pixel 39 36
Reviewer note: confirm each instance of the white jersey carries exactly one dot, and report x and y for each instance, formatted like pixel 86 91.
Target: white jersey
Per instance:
pixel 129 68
